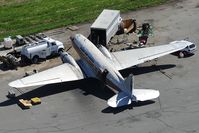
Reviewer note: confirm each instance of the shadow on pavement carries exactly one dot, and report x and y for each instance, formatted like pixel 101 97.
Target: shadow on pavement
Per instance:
pixel 145 69
pixel 121 109
pixel 88 86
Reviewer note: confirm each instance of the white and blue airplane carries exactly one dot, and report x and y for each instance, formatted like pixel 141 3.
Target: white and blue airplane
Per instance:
pixel 101 64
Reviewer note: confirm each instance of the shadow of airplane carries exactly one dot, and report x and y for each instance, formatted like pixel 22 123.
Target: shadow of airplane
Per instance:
pixel 121 109
pixel 145 69
pixel 177 55
pixel 90 86
pixel 43 92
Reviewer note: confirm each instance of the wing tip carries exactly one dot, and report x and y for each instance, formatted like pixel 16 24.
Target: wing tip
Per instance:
pixel 16 84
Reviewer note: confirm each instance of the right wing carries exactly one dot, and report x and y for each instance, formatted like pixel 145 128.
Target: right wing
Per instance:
pixel 62 73
pixel 129 58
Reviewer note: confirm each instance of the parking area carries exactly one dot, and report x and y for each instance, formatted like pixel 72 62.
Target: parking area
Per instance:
pixel 81 106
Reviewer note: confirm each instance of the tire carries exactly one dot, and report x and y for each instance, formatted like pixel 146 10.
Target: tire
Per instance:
pixel 35 59
pixel 181 54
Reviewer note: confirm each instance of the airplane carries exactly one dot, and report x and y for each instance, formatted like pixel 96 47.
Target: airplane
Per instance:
pixel 104 65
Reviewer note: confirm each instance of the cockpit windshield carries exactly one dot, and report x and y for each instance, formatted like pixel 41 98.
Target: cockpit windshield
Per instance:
pixel 192 46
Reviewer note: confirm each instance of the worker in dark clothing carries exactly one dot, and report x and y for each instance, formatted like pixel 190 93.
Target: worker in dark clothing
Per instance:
pixel 144 33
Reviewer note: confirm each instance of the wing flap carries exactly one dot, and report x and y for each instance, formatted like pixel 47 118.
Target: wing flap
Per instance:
pixel 62 73
pixel 128 58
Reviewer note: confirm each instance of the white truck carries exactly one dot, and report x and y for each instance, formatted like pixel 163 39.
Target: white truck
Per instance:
pixel 189 50
pixel 41 50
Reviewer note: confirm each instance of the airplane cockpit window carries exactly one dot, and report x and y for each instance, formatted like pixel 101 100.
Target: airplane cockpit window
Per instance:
pixel 192 46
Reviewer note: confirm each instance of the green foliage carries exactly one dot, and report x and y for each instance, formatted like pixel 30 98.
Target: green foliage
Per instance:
pixel 32 16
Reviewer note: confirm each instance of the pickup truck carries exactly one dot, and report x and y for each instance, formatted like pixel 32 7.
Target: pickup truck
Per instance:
pixel 41 50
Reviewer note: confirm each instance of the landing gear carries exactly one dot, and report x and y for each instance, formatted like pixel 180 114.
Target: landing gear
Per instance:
pixel 181 54
pixel 104 74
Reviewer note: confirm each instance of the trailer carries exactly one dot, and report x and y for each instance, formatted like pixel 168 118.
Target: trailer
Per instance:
pixel 105 27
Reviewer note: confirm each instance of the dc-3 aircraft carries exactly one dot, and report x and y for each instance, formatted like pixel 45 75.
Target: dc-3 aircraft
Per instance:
pixel 103 65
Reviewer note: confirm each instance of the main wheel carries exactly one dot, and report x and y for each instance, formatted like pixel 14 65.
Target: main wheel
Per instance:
pixel 181 54
pixel 35 59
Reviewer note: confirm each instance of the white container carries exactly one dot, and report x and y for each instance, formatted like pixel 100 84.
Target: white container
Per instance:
pixel 105 27
pixel 8 42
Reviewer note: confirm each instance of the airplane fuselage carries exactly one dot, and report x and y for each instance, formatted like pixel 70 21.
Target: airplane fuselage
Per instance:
pixel 98 62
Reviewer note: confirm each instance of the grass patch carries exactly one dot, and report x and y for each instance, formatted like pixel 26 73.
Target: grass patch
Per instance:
pixel 32 16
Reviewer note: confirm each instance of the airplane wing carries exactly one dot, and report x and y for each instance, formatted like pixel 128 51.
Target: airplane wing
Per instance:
pixel 129 58
pixel 62 73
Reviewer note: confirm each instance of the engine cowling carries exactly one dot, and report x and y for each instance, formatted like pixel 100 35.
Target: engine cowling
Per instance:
pixel 67 58
pixel 105 52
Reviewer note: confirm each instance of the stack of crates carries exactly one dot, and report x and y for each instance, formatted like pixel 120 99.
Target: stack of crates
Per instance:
pixel 27 104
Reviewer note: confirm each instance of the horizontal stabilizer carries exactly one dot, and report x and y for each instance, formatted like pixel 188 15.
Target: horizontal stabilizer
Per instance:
pixel 122 98
pixel 145 94
pixel 119 100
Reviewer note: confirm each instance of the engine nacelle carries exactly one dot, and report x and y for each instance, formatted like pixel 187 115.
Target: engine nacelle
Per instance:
pixel 67 58
pixel 105 52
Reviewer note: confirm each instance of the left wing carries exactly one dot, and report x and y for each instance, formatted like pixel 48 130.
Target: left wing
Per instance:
pixel 129 58
pixel 62 73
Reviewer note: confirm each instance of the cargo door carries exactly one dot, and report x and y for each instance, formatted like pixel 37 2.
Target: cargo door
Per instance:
pixel 98 36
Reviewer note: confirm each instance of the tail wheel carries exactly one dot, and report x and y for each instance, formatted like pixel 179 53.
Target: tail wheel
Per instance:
pixel 35 59
pixel 181 54
pixel 60 50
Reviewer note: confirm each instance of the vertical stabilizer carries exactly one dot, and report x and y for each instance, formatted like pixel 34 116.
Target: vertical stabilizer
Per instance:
pixel 128 94
pixel 129 84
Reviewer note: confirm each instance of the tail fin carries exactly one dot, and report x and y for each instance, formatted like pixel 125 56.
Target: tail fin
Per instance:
pixel 129 84
pixel 125 97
